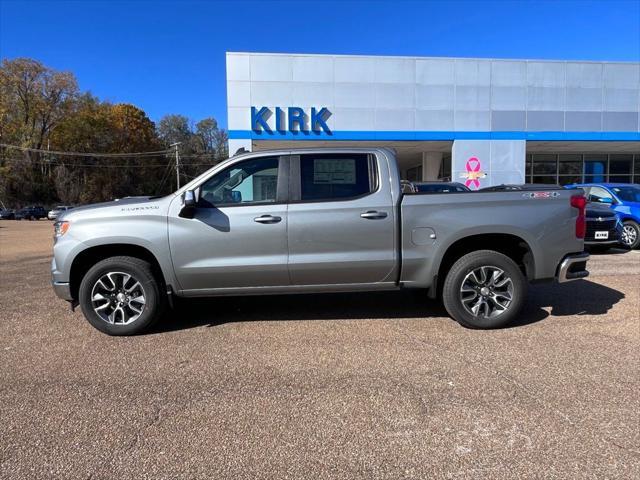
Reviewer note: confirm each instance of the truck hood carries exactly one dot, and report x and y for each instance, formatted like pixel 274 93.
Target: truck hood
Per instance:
pixel 122 206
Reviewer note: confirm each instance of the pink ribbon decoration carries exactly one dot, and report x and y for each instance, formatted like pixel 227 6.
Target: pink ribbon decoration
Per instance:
pixel 473 172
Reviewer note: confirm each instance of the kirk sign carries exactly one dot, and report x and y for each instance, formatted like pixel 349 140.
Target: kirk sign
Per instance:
pixel 291 119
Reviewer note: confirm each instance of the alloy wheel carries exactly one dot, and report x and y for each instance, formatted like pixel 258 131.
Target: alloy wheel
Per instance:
pixel 629 235
pixel 486 292
pixel 118 298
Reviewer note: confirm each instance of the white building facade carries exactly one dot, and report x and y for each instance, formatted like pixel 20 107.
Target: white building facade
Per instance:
pixel 478 121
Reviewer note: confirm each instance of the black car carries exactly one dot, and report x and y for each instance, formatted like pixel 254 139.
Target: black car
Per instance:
pixel 603 226
pixel 31 213
pixel 440 187
pixel 7 214
pixel 524 188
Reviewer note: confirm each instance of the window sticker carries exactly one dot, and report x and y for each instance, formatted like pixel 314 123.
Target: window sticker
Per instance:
pixel 334 171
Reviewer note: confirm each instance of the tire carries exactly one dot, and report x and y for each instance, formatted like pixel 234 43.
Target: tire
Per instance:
pixel 127 306
pixel 474 283
pixel 630 234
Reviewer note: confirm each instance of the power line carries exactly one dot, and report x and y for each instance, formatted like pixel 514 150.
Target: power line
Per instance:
pixel 87 165
pixel 70 163
pixel 80 154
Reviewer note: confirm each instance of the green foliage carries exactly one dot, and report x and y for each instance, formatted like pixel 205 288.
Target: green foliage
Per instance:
pixel 42 108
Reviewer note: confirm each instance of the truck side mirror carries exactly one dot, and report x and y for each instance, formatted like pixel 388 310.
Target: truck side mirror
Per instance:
pixel 189 203
pixel 190 198
pixel 608 201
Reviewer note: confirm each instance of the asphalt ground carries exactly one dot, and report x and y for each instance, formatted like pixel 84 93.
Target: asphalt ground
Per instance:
pixel 351 386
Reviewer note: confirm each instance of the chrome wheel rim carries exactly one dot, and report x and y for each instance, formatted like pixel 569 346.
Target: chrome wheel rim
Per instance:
pixel 629 235
pixel 118 298
pixel 486 292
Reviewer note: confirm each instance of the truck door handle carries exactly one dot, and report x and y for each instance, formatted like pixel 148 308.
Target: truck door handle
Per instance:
pixel 373 215
pixel 267 219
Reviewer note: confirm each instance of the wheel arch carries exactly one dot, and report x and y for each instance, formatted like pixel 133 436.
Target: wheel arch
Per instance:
pixel 92 255
pixel 513 246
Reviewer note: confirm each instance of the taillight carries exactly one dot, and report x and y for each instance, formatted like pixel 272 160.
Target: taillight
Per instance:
pixel 580 202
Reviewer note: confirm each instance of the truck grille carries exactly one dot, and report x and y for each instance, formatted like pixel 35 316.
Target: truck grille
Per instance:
pixel 607 225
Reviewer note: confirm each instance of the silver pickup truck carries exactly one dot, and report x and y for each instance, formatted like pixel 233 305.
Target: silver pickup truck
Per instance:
pixel 315 220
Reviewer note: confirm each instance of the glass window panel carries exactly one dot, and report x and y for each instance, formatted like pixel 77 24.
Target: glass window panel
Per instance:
pixel 445 167
pixel 570 164
pixel 593 179
pixel 597 194
pixel 414 174
pixel 544 164
pixel 620 164
pixel 569 179
pixel 620 179
pixel 636 165
pixel 548 179
pixel 595 167
pixel 334 176
pixel 627 193
pixel 252 181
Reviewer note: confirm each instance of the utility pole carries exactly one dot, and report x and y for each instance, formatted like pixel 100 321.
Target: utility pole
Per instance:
pixel 177 162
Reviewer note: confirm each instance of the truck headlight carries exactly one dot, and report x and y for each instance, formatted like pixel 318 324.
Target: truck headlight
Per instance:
pixel 60 228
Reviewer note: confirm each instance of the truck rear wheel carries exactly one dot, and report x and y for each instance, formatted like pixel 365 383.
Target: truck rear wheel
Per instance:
pixel 484 289
pixel 121 296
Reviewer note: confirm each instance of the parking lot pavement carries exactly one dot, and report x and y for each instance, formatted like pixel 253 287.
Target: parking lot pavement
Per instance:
pixel 364 386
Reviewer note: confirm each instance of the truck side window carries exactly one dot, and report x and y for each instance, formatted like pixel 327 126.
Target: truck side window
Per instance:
pixel 336 176
pixel 248 182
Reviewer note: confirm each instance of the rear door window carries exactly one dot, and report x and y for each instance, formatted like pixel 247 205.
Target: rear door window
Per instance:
pixel 336 176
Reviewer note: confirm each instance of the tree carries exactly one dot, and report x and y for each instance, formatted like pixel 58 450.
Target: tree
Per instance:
pixel 41 108
pixel 174 129
pixel 34 100
pixel 211 139
pixel 96 126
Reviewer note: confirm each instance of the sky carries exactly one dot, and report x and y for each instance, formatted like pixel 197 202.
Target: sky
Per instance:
pixel 169 56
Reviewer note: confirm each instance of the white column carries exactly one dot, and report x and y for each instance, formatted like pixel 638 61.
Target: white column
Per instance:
pixel 431 162
pixel 483 163
pixel 234 145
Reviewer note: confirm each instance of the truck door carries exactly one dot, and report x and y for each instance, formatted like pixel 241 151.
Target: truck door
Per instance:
pixel 238 236
pixel 341 220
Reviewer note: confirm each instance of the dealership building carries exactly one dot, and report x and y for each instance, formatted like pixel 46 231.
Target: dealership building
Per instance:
pixel 497 121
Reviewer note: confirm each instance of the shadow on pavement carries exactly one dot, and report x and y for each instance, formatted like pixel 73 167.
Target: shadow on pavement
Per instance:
pixel 598 251
pixel 581 297
pixel 576 298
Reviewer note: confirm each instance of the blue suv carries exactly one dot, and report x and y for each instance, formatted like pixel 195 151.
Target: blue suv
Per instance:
pixel 624 199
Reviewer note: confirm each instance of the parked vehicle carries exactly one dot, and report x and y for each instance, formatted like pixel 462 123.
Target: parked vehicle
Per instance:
pixel 31 213
pixel 53 214
pixel 518 187
pixel 624 199
pixel 7 214
pixel 323 220
pixel 604 228
pixel 440 187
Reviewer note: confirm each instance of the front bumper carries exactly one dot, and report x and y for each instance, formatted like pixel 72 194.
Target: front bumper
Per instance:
pixel 573 267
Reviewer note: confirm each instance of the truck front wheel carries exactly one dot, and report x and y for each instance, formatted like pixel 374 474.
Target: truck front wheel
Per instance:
pixel 121 296
pixel 484 289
